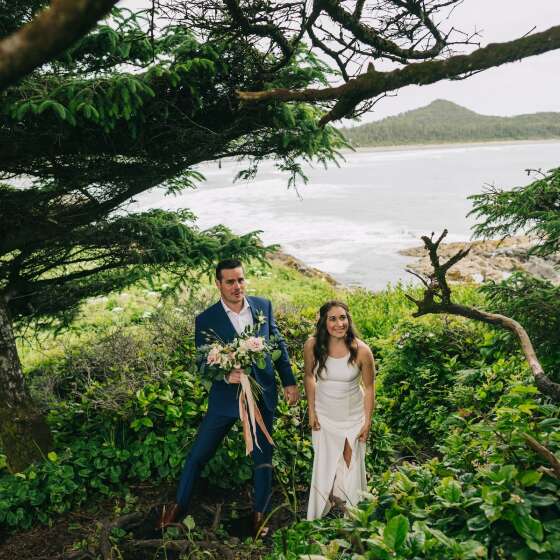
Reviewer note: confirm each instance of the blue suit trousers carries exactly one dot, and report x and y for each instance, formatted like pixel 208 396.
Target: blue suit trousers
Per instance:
pixel 212 431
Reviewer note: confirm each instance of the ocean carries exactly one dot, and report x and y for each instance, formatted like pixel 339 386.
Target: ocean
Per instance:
pixel 351 221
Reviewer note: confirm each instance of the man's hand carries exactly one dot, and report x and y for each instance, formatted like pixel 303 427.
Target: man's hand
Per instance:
pixel 234 376
pixel 291 393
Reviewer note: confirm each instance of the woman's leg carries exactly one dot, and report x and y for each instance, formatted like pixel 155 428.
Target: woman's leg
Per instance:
pixel 347 453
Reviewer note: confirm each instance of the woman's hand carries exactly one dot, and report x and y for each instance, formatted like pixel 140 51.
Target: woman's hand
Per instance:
pixel 364 432
pixel 314 421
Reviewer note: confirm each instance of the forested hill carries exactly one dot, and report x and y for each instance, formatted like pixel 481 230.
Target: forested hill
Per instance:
pixel 443 121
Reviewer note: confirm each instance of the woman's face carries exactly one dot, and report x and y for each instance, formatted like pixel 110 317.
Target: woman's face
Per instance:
pixel 337 322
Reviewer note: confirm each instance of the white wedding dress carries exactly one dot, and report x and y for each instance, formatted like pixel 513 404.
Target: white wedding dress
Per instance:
pixel 339 404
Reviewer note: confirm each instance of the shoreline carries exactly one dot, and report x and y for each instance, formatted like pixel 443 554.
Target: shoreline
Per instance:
pixel 488 260
pixel 449 145
pixel 285 259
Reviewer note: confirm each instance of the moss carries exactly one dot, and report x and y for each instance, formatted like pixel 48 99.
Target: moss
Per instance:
pixel 25 436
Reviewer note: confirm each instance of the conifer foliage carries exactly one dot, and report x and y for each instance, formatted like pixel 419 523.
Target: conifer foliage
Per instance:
pixel 133 106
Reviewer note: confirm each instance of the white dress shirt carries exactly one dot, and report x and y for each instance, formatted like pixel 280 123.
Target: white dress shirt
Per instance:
pixel 241 320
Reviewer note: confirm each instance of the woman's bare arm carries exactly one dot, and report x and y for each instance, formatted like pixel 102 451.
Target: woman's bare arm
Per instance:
pixel 309 381
pixel 367 368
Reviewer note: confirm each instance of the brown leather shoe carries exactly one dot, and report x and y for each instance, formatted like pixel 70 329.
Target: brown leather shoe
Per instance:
pixel 170 515
pixel 259 529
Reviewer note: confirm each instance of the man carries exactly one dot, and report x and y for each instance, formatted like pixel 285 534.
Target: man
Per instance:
pixel 227 319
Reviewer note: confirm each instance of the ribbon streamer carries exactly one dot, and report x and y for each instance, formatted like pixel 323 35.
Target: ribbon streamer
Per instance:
pixel 250 415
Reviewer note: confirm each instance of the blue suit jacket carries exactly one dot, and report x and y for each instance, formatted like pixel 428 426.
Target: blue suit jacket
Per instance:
pixel 223 398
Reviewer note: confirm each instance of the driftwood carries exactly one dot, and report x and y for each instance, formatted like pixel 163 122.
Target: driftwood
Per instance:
pixel 437 299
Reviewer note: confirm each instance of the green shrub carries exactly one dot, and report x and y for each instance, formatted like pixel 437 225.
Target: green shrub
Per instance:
pixel 487 495
pixel 419 366
pixel 126 408
pixel 535 303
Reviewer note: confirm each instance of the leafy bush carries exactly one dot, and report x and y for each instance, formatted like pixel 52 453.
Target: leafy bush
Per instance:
pixel 419 364
pixel 125 408
pixel 535 303
pixel 486 495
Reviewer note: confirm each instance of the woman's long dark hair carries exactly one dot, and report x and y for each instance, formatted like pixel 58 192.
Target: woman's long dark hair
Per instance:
pixel 321 348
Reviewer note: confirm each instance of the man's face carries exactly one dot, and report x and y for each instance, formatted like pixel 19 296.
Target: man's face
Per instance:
pixel 232 285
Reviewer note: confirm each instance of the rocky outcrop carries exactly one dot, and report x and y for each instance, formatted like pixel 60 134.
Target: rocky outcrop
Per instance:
pixel 292 262
pixel 490 260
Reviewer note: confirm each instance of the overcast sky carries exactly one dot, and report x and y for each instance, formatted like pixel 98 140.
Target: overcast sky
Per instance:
pixel 530 85
pixel 527 86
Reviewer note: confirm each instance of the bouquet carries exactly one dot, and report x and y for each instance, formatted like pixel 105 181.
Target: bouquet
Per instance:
pixel 218 358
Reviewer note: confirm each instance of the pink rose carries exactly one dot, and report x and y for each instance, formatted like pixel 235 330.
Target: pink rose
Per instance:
pixel 255 344
pixel 213 357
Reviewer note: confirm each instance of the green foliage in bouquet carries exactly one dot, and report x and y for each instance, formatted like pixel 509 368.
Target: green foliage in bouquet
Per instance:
pixel 246 351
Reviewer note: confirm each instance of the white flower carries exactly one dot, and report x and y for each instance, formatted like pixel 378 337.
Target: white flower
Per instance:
pixel 151 293
pixel 516 499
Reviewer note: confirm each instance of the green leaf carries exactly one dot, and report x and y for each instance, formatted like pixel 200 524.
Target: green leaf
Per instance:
pixel 374 549
pixel 395 532
pixel 52 456
pixel 528 527
pixel 275 355
pixel 22 109
pixel 478 523
pixel 450 490
pixel 505 474
pixel 189 522
pixel 57 107
pixel 540 500
pixel 549 422
pixel 552 526
pixel 492 512
pixel 529 478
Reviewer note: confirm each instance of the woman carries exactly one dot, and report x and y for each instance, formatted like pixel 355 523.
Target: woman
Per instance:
pixel 340 411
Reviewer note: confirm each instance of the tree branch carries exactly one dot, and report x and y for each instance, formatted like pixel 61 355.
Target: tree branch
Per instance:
pixel 373 83
pixel 262 30
pixel 437 300
pixel 545 453
pixel 51 32
pixel 368 35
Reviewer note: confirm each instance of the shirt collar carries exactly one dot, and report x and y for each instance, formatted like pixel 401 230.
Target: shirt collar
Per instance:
pixel 244 309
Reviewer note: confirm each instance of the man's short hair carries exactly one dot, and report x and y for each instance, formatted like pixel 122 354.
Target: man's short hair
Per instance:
pixel 227 264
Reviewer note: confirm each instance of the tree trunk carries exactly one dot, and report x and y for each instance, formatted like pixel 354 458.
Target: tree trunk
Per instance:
pixel 24 434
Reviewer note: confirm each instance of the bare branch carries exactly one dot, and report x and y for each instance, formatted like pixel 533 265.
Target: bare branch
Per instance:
pixel 545 453
pixel 439 289
pixel 51 32
pixel 373 83
pixel 419 276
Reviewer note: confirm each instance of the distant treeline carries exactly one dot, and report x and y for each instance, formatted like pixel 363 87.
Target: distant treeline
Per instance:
pixel 443 121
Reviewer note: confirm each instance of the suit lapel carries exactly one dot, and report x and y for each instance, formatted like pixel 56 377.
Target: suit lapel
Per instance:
pixel 255 309
pixel 222 324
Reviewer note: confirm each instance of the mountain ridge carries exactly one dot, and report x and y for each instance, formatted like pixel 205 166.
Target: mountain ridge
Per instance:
pixel 443 121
